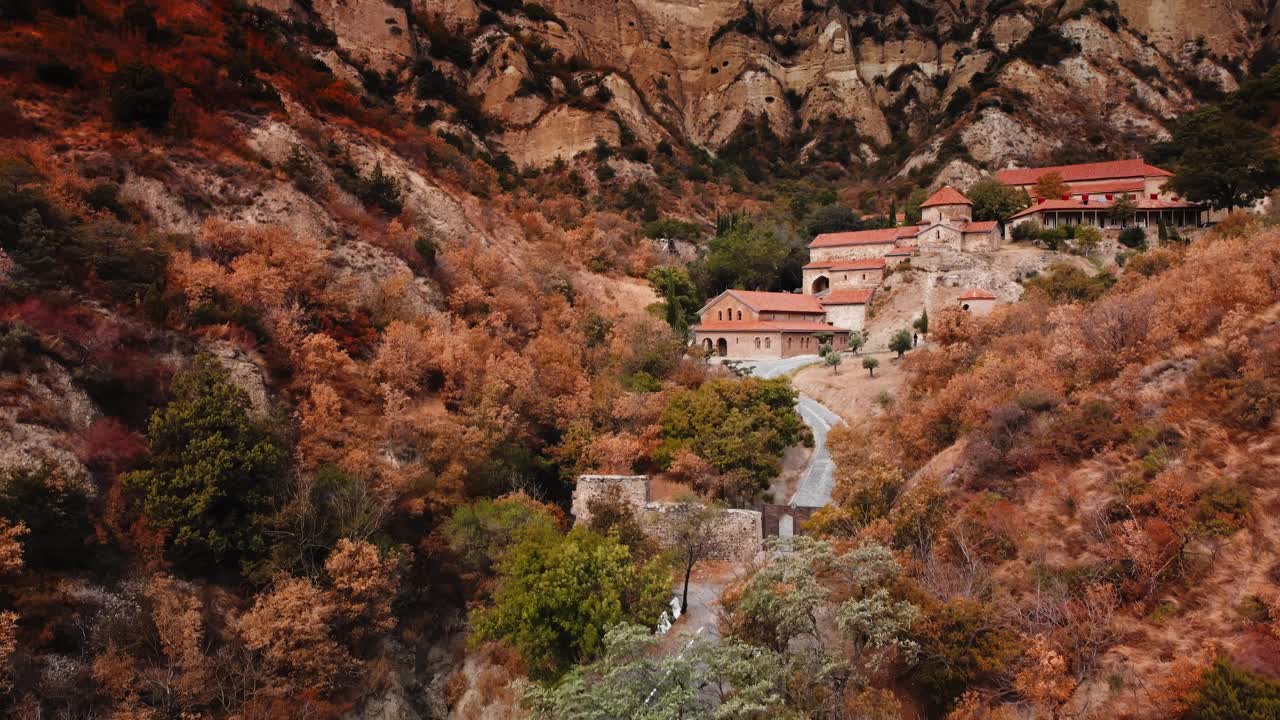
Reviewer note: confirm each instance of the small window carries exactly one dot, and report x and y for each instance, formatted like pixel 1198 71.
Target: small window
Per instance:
pixel 757 343
pixel 739 314
pixel 768 342
pixel 719 314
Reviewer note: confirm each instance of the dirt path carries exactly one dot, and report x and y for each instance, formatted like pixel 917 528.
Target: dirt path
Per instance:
pixel 851 393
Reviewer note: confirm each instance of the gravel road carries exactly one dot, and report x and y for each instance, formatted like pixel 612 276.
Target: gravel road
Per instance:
pixel 814 488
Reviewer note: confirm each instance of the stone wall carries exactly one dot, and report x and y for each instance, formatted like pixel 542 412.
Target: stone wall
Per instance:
pixel 634 489
pixel 739 533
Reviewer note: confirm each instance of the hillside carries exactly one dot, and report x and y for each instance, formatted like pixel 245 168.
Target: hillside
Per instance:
pixel 312 313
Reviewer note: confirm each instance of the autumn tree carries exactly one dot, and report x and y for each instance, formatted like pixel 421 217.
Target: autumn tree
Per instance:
pixel 558 594
pixel 213 470
pixel 364 584
pixel 1050 186
pixel 289 628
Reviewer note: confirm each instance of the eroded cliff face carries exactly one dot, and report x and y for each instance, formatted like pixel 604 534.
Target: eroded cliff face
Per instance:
pixel 696 70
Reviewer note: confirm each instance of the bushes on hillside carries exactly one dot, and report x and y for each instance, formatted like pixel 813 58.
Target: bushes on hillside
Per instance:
pixel 140 95
pixel 1228 692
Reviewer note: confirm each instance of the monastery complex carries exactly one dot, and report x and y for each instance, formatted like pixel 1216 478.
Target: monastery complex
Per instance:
pixel 845 269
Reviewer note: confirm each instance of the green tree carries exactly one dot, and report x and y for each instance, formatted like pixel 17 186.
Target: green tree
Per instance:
pixel 631 680
pixel 213 470
pixel 780 602
pixel 1050 186
pixel 1133 237
pixel 1087 239
pixel 1223 160
pixel 993 200
pixel 680 302
pixel 900 342
pixel 834 360
pixel 558 594
pixel 1227 692
pixel 856 341
pixel 914 201
pixel 750 256
pixel 1067 283
pixel 832 219
pixel 482 531
pixel 1123 209
pixel 870 364
pixel 383 191
pixel 739 426
pixel 921 323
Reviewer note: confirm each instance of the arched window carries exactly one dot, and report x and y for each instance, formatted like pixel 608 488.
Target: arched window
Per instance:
pixel 768 342
pixel 788 342
pixel 719 314
pixel 739 314
pixel 757 343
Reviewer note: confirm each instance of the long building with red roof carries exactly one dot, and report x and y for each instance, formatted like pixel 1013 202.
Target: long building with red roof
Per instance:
pixel 1094 188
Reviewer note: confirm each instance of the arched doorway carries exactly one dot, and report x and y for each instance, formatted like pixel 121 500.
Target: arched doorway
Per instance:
pixel 821 284
pixel 722 347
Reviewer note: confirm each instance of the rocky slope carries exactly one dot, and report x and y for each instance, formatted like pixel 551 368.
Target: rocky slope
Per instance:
pixel 852 81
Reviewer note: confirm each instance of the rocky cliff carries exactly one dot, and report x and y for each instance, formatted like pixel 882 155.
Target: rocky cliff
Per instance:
pixel 856 82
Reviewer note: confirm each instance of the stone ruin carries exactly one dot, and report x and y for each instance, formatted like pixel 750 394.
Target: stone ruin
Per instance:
pixel 739 534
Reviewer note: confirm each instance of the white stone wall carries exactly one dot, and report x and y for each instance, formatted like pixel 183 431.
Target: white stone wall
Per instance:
pixel 739 534
pixel 848 317
pixel 851 252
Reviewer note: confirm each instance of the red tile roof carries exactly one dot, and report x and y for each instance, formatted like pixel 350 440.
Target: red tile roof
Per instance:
pixel 977 294
pixel 847 297
pixel 1117 186
pixel 766 326
pixel 838 265
pixel 984 226
pixel 947 195
pixel 1113 169
pixel 863 237
pixel 777 302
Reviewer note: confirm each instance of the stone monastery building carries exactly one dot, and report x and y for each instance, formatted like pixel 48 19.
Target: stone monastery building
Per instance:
pixel 843 273
pixel 846 268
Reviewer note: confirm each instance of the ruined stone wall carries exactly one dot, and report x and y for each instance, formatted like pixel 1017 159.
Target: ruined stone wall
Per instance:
pixel 739 533
pixel 634 489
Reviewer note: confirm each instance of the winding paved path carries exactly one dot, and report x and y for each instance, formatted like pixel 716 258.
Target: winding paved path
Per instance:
pixel 814 487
